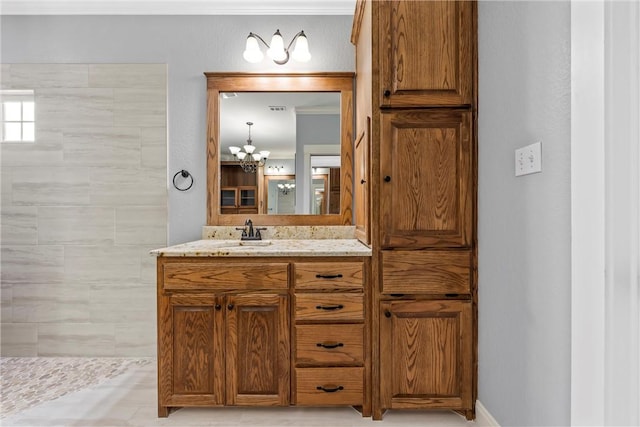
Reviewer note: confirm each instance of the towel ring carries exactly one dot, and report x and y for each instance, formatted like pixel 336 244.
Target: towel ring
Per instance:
pixel 184 174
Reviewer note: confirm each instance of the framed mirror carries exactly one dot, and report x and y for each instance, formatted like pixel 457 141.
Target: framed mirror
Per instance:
pixel 311 159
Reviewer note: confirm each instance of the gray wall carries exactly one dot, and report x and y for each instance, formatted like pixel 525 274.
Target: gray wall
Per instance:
pixel 524 223
pixel 190 45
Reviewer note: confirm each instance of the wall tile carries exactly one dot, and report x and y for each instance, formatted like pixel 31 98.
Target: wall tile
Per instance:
pixel 153 147
pixel 6 300
pixel 128 186
pixel 128 75
pixel 76 225
pixel 5 76
pixel 136 339
pixel 19 225
pixel 6 182
pixel 34 76
pixel 102 147
pixel 145 225
pixel 148 265
pixel 19 339
pixel 61 303
pixel 76 339
pixel 29 264
pixel 45 151
pixel 74 108
pixel 122 302
pixel 101 265
pixel 140 107
pixel 51 186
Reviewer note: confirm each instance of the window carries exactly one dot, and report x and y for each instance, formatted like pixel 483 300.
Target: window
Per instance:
pixel 17 115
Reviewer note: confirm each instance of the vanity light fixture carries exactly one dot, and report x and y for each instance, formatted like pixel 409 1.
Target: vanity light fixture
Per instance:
pixel 276 49
pixel 249 161
pixel 276 168
pixel 285 188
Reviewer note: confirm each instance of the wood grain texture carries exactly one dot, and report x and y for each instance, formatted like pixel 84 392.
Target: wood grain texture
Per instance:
pixel 221 276
pixel 309 379
pixel 426 272
pixel 362 182
pixel 331 344
pixel 334 306
pixel 329 275
pixel 426 354
pixel 257 351
pixel 260 82
pixel 427 55
pixel 427 158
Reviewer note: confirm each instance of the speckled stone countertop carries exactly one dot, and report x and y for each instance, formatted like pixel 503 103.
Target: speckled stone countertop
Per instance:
pixel 284 232
pixel 266 248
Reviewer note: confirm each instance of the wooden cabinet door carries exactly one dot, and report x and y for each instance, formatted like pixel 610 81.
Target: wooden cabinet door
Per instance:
pixel 426 53
pixel 426 172
pixel 257 350
pixel 191 351
pixel 426 356
pixel 362 184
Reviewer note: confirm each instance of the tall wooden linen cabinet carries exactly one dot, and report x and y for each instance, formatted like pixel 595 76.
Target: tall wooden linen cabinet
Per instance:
pixel 415 198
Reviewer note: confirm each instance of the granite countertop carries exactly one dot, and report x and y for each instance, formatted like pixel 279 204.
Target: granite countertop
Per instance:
pixel 266 248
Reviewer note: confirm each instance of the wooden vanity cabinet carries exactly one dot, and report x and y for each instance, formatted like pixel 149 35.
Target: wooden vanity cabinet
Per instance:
pixel 263 331
pixel 416 114
pixel 223 333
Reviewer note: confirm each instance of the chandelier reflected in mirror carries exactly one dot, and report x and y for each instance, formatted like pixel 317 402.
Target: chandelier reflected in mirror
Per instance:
pixel 249 160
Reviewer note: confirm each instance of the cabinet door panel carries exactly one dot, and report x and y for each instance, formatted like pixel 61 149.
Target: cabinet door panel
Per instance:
pixel 426 355
pixel 427 53
pixel 257 350
pixel 193 352
pixel 362 184
pixel 427 178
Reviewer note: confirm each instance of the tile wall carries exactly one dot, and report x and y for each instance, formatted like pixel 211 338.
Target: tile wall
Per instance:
pixel 81 208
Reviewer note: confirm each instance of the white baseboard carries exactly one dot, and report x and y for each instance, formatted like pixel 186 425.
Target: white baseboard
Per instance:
pixel 483 417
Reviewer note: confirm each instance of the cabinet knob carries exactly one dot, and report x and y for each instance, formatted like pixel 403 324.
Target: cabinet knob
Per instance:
pixel 387 93
pixel 387 313
pixel 362 181
pixel 218 307
pixel 387 178
pixel 230 306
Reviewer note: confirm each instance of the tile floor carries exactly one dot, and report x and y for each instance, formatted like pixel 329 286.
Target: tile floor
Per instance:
pixel 125 395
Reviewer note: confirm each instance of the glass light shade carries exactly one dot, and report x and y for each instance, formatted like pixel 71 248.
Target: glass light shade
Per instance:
pixel 241 155
pixel 276 48
pixel 280 185
pixel 256 157
pixel 301 51
pixel 252 52
pixel 234 150
pixel 249 148
pixel 265 154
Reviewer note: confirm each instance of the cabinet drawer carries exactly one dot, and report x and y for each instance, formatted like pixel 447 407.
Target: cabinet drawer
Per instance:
pixel 237 276
pixel 436 272
pixel 328 275
pixel 329 307
pixel 329 386
pixel 330 344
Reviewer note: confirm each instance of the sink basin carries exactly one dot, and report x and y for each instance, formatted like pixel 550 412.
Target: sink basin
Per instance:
pixel 255 242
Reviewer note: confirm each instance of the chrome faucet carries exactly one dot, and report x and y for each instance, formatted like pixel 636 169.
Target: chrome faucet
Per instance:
pixel 249 233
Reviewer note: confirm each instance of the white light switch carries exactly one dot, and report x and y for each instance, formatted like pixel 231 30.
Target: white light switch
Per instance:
pixel 529 159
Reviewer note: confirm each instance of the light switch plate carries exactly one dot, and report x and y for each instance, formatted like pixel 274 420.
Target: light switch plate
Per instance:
pixel 529 159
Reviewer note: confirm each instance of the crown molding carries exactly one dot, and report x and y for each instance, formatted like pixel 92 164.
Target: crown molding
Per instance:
pixel 177 7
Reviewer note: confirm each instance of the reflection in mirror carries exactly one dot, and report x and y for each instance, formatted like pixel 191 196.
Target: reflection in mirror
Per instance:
pixel 233 86
pixel 280 194
pixel 298 129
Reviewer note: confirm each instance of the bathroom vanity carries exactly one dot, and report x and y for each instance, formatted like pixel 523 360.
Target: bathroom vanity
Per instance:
pixel 267 323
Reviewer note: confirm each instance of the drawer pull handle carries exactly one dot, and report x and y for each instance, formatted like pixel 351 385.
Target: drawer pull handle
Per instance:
pixel 330 307
pixel 330 388
pixel 328 276
pixel 330 344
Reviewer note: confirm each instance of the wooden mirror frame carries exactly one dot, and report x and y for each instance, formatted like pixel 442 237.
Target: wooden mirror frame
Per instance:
pixel 253 82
